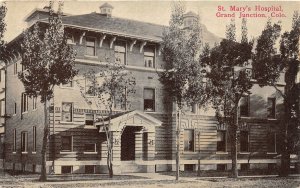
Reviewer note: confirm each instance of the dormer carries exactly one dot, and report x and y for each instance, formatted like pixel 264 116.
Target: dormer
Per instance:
pixel 106 9
pixel 189 19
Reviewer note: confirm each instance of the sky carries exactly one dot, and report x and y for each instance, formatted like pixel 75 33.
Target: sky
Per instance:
pixel 158 12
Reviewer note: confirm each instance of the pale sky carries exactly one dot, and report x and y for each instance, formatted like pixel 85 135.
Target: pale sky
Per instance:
pixel 157 12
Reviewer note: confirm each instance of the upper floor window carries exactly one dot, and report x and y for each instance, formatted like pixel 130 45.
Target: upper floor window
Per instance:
pixel 149 99
pixel 66 143
pixel 90 46
pixel 70 39
pixel 271 107
pixel 2 107
pixel 244 106
pixel 188 140
pixel 120 52
pixel 24 141
pixel 15 68
pixel 89 119
pixel 24 103
pixel 34 139
pixel 34 103
pixel 15 140
pixel 221 140
pixel 149 56
pixel 244 141
pixel 67 112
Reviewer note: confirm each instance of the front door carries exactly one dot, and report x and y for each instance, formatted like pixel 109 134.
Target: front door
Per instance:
pixel 128 144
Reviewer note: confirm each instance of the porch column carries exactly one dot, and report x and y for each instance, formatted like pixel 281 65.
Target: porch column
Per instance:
pixel 138 145
pixel 116 152
pixel 151 146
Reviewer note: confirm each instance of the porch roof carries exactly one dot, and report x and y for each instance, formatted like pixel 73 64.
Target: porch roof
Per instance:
pixel 130 118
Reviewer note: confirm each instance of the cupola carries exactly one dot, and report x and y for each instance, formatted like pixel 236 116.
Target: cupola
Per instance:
pixel 106 9
pixel 189 19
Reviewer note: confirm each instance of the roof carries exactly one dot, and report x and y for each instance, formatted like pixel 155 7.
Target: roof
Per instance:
pixel 190 14
pixel 106 5
pixel 116 25
pixel 126 27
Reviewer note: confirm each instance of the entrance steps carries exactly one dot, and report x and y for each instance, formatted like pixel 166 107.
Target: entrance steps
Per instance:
pixel 131 166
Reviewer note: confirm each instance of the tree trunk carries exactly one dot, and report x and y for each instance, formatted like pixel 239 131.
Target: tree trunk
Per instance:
pixel 43 176
pixel 285 155
pixel 234 170
pixel 109 157
pixel 177 145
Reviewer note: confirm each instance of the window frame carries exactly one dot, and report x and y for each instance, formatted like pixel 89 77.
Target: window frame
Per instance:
pixel 90 151
pixel 154 100
pixel 274 142
pixel 247 97
pixel 24 142
pixel 62 149
pixel 248 141
pixel 14 140
pixel 85 116
pixel 193 141
pixel 71 112
pixel 117 43
pixel 24 103
pixel 34 139
pixel 34 103
pixel 273 108
pixel 147 54
pixel 225 141
pixel 90 46
pixel 15 68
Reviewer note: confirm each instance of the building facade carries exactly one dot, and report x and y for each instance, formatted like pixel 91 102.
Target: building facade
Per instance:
pixel 144 137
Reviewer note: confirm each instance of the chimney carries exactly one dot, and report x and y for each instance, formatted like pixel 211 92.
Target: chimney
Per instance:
pixel 106 9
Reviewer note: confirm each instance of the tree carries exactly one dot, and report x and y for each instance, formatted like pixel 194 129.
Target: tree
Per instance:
pixel 48 61
pixel 268 66
pixel 3 11
pixel 110 87
pixel 182 77
pixel 229 81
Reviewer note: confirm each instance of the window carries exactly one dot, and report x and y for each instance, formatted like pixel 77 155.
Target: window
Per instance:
pixel 70 39
pixel 34 139
pixel 24 141
pixel 120 52
pixel 34 104
pixel 149 56
pixel 90 46
pixel 89 119
pixel 15 110
pixel 221 167
pixel 244 141
pixel 15 141
pixel 271 107
pixel 188 140
pixel 90 84
pixel 66 169
pixel 221 141
pixel 2 107
pixel 244 166
pixel 24 103
pixel 189 167
pixel 66 143
pixel 90 147
pixel 89 169
pixel 272 143
pixel 149 99
pixel 67 112
pixel 244 106
pixel 15 68
pixel 69 84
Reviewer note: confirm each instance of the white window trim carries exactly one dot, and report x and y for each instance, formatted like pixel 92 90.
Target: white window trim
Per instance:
pixel 155 110
pixel 67 122
pixel 194 146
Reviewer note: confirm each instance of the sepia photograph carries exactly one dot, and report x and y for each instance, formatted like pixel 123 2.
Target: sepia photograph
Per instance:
pixel 162 93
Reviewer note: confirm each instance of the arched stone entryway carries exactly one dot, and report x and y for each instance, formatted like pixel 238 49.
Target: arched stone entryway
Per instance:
pixel 134 137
